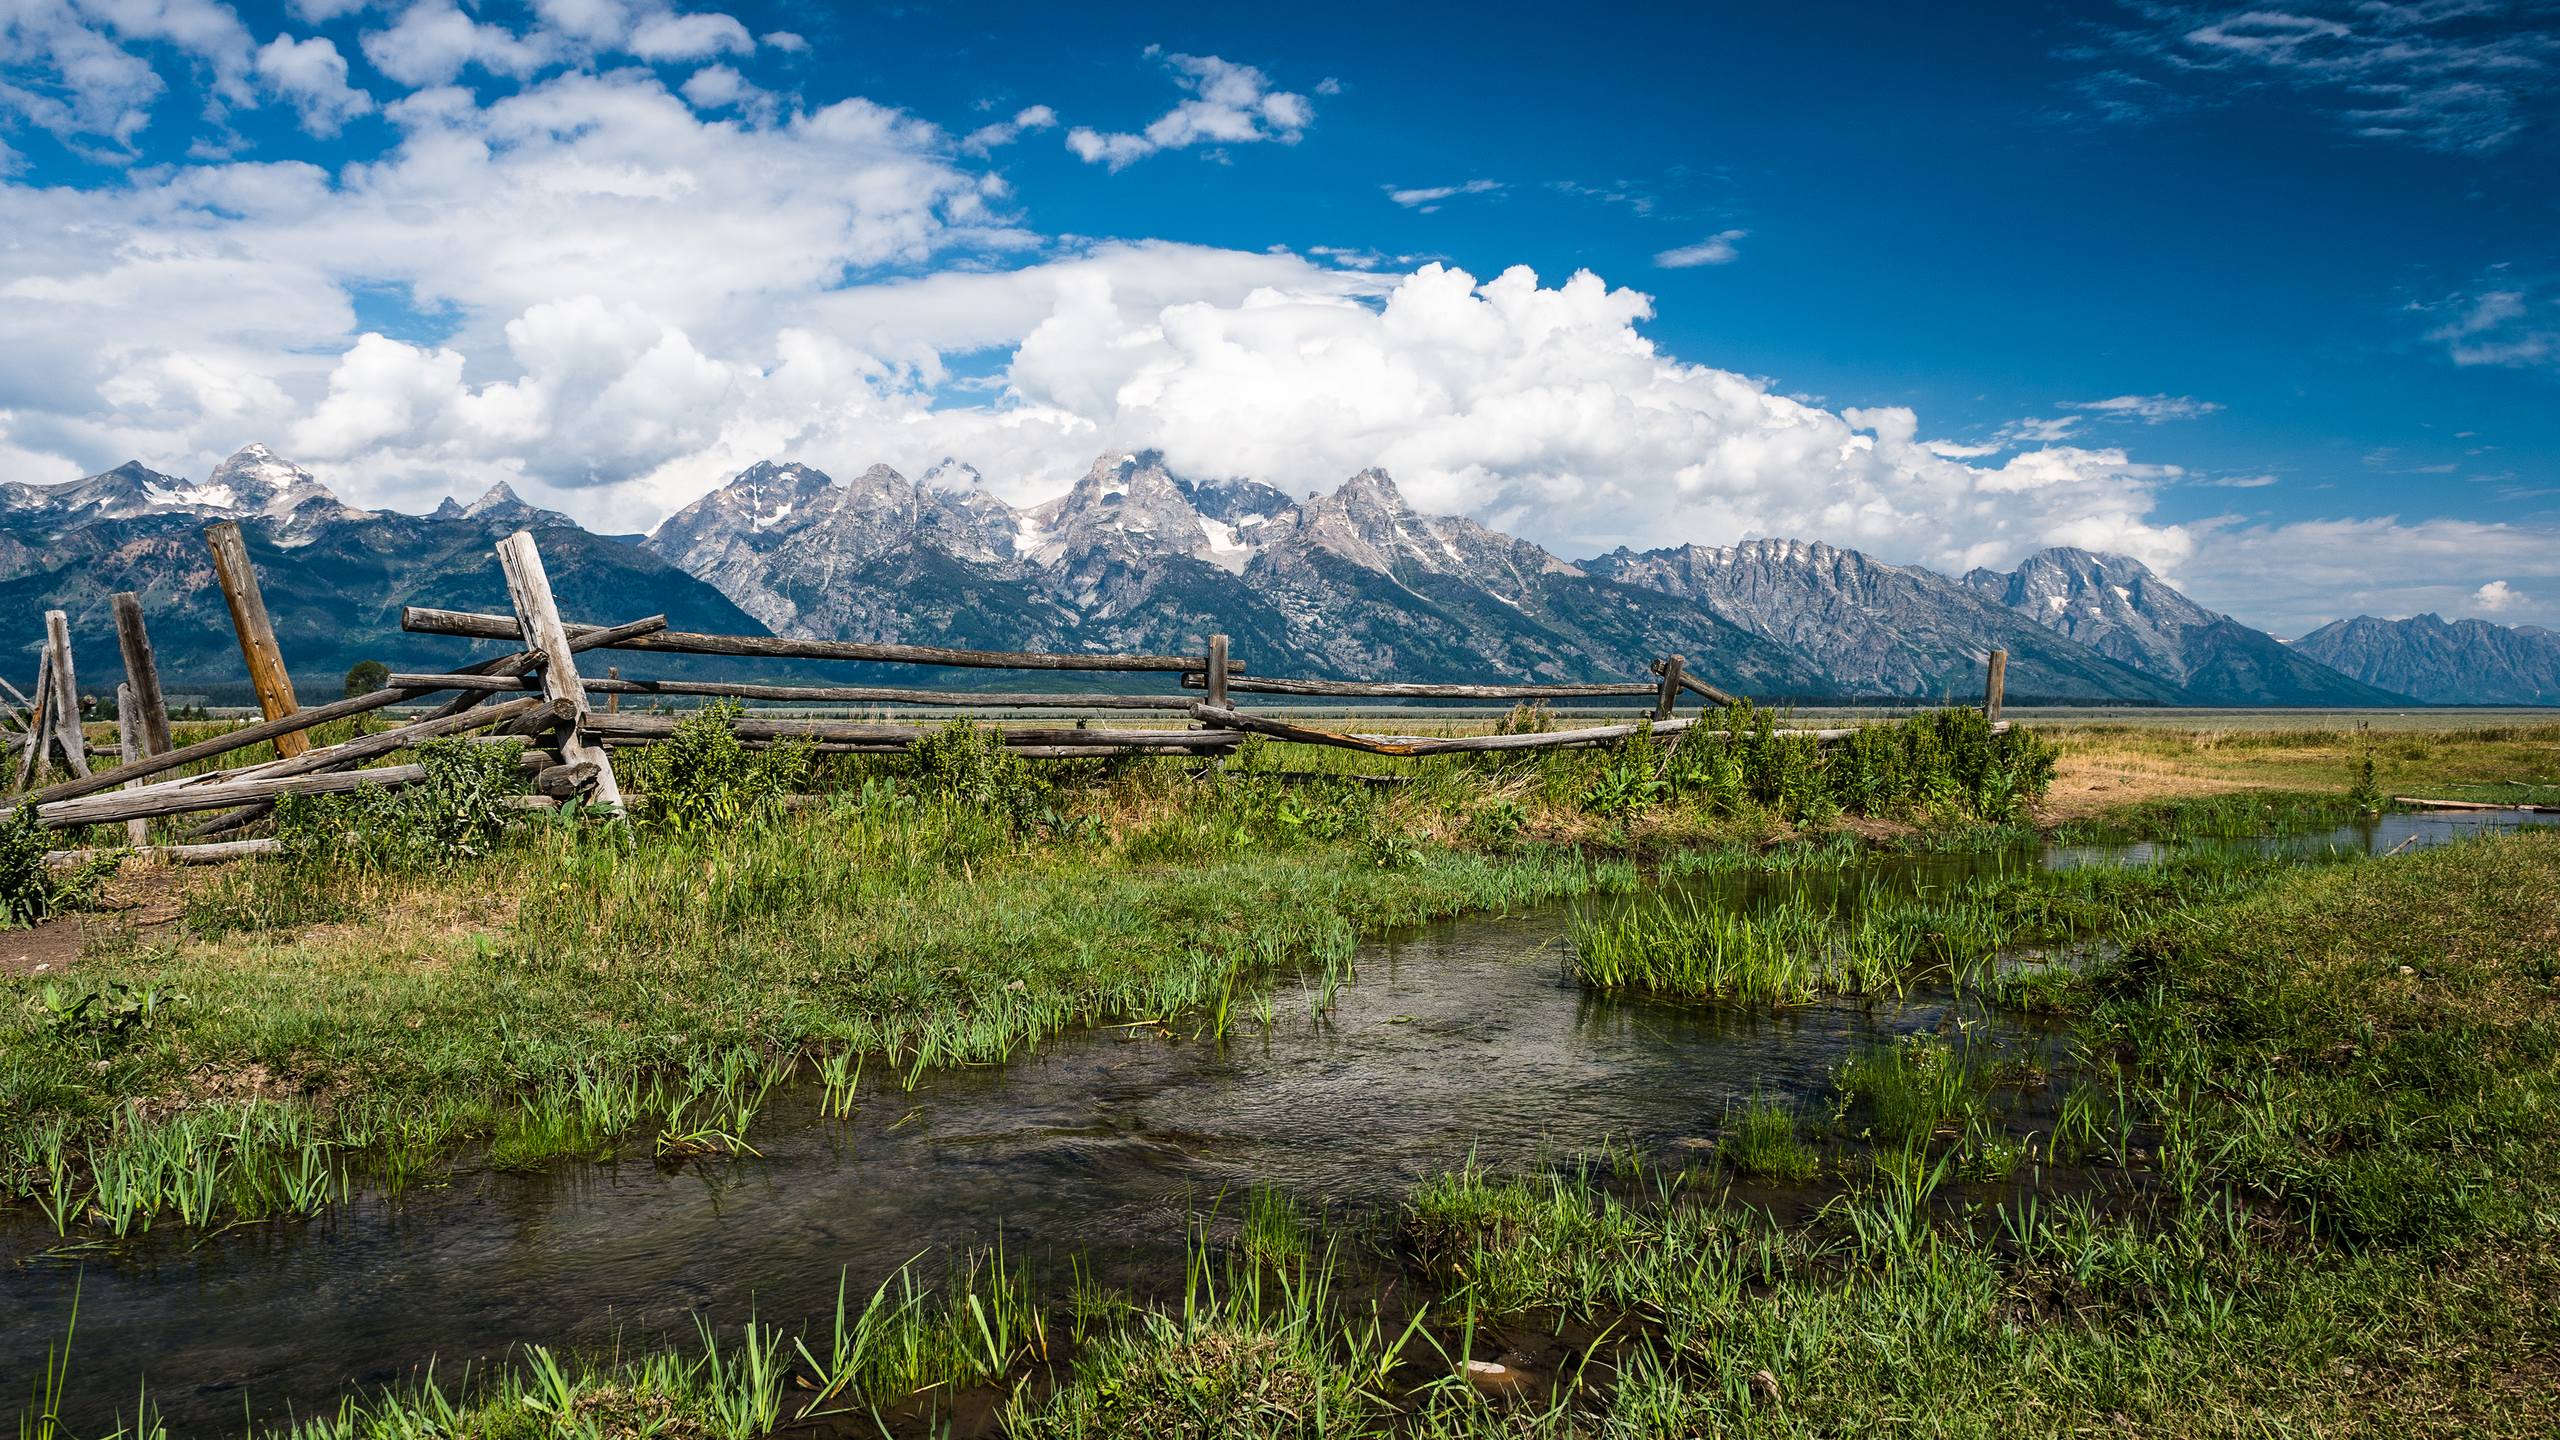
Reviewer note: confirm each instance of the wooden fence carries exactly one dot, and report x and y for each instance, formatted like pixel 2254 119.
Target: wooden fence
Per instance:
pixel 538 692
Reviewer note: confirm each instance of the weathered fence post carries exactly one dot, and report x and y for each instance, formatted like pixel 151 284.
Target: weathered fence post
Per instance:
pixel 257 633
pixel 1993 683
pixel 66 693
pixel 1216 675
pixel 538 617
pixel 142 673
pixel 39 721
pixel 1670 695
pixel 613 702
pixel 129 747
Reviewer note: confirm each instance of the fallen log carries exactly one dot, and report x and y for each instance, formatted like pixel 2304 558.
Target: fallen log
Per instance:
pixel 2420 803
pixel 173 854
pixel 179 799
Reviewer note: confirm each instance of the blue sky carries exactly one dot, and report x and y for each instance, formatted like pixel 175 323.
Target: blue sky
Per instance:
pixel 2267 297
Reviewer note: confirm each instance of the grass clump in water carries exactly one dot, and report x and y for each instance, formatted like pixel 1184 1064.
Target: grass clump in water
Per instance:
pixel 1763 1139
pixel 1682 945
pixel 1910 1091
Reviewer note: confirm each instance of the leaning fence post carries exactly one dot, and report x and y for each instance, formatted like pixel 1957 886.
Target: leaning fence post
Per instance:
pixel 538 617
pixel 1993 683
pixel 257 634
pixel 1215 678
pixel 66 693
pixel 39 721
pixel 141 673
pixel 1670 693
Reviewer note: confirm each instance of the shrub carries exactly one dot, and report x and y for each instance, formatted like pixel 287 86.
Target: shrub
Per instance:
pixel 31 890
pixel 458 810
pixel 969 764
pixel 1630 777
pixel 1526 717
pixel 367 676
pixel 704 778
pixel 2366 794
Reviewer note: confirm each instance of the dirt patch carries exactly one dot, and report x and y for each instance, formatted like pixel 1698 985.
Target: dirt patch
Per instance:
pixel 44 949
pixel 139 899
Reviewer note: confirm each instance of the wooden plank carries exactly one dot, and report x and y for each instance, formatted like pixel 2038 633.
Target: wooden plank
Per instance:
pixel 179 799
pixel 1385 689
pixel 257 633
pixel 174 854
pixel 1995 680
pixel 142 673
pixel 1669 669
pixel 68 736
pixel 423 620
pixel 616 688
pixel 538 621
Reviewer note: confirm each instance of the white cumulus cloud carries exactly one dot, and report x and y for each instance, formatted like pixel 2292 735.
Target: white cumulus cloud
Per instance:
pixel 313 76
pixel 1231 104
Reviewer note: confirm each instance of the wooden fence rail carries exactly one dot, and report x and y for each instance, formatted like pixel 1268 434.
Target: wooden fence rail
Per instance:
pixel 536 694
pixel 420 620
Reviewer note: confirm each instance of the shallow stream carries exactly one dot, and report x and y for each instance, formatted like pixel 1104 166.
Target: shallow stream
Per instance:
pixel 1458 1039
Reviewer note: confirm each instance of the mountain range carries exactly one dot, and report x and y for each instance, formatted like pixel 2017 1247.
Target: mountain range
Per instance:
pixel 1354 583
pixel 2461 662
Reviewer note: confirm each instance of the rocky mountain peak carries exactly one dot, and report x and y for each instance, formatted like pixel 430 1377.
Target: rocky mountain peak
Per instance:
pixel 1126 509
pixel 500 498
pixel 255 478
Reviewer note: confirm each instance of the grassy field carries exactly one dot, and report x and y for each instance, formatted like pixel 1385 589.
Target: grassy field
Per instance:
pixel 2108 765
pixel 2326 1088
